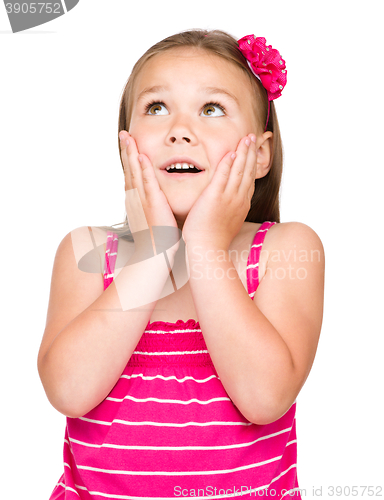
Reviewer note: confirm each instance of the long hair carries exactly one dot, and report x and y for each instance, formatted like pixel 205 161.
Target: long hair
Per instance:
pixel 265 200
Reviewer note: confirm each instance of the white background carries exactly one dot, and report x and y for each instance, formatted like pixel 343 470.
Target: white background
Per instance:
pixel 60 89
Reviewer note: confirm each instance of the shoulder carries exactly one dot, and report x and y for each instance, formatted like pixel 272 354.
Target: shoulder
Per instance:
pixel 85 233
pixel 285 235
pixel 77 271
pixel 88 245
pixel 293 252
pixel 289 247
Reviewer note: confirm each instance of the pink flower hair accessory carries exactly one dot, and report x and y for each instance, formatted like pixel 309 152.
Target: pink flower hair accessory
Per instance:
pixel 266 64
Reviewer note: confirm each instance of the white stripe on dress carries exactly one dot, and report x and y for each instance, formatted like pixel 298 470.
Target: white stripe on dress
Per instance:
pixel 163 424
pixel 171 377
pixel 226 495
pixel 174 331
pixel 177 401
pixel 182 448
pixel 252 266
pixel 171 353
pixel 68 488
pixel 179 473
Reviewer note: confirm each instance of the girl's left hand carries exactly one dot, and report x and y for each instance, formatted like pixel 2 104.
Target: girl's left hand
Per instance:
pixel 219 212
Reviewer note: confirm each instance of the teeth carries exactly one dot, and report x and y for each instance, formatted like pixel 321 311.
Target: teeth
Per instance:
pixel 179 166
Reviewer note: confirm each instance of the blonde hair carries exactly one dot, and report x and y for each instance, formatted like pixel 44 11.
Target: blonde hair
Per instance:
pixel 265 200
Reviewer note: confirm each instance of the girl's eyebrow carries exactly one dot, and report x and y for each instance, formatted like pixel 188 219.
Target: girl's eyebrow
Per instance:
pixel 151 90
pixel 218 90
pixel 207 90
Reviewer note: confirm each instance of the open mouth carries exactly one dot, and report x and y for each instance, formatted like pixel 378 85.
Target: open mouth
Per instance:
pixel 179 171
pixel 182 168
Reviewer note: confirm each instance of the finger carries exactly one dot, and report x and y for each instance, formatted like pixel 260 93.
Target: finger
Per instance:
pixel 134 190
pixel 149 179
pixel 250 167
pixel 133 171
pixel 124 143
pixel 223 172
pixel 237 170
pixel 123 136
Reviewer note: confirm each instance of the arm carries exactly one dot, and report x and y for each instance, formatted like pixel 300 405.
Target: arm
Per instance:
pixel 263 349
pixel 91 333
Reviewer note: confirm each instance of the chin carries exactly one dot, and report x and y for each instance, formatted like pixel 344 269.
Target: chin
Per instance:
pixel 182 202
pixel 181 213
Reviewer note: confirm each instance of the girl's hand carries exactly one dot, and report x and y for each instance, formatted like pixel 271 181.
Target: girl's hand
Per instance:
pixel 146 204
pixel 220 211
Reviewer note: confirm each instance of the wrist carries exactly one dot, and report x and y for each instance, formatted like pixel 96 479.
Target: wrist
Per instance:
pixel 205 246
pixel 203 253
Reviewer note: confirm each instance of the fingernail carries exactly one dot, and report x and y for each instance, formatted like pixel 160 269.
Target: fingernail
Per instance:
pixel 247 142
pixel 253 138
pixel 233 156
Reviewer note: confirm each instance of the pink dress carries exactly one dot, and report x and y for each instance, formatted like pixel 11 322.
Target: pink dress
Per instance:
pixel 168 429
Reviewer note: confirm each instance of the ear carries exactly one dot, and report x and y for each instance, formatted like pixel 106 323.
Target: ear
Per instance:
pixel 264 146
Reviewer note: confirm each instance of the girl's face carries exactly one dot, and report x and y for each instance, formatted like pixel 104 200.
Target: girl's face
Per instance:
pixel 193 104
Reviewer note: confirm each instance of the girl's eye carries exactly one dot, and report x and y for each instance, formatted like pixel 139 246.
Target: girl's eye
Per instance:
pixel 153 108
pixel 209 107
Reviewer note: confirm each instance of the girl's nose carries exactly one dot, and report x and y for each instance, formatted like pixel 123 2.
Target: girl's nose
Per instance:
pixel 181 130
pixel 173 139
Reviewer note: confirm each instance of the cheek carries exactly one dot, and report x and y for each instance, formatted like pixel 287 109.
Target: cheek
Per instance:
pixel 229 139
pixel 145 140
pixel 224 145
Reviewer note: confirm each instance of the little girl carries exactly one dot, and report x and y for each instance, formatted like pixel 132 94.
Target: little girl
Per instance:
pixel 178 365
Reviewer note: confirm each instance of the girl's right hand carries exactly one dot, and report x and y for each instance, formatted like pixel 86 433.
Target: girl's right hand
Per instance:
pixel 147 205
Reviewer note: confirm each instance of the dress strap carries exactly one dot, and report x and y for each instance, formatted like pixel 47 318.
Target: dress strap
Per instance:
pixel 110 258
pixel 254 258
